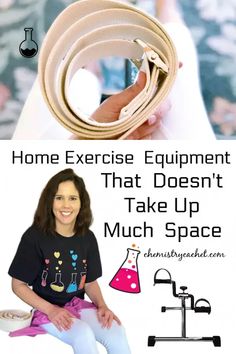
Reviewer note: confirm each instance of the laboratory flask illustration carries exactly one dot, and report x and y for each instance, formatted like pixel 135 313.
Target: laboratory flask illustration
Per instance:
pixel 82 280
pixel 28 47
pixel 57 285
pixel 44 278
pixel 127 278
pixel 72 287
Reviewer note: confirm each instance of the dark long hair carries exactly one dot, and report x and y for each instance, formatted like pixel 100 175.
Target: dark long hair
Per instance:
pixel 44 217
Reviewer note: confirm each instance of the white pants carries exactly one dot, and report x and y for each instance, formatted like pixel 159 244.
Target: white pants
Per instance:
pixel 187 119
pixel 84 333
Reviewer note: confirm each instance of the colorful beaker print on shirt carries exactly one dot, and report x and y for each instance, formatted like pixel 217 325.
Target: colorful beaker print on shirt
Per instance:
pixel 44 278
pixel 72 287
pixel 127 277
pixel 82 280
pixel 57 285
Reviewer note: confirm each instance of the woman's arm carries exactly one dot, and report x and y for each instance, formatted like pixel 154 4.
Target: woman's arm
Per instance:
pixel 105 315
pixel 25 293
pixel 59 316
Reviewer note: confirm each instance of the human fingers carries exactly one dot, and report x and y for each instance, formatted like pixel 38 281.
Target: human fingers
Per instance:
pixel 63 319
pixel 163 109
pixel 116 319
pixel 66 322
pixel 110 109
pixel 100 314
pixel 147 137
pixel 57 325
pixel 110 317
pixel 63 323
pixel 146 129
pixel 105 317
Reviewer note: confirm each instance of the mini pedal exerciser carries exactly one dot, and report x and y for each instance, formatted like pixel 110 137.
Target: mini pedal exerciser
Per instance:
pixel 200 306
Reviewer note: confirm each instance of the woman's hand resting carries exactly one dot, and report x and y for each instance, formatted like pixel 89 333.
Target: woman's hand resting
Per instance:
pixel 61 318
pixel 106 316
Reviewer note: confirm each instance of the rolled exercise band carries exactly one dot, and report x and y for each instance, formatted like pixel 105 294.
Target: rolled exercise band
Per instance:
pixel 12 320
pixel 88 30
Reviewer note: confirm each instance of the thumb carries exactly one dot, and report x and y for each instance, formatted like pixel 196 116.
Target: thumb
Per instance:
pixel 125 97
pixel 110 109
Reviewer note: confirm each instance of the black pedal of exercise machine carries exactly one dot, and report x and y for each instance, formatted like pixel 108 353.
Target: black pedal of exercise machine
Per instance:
pixel 202 308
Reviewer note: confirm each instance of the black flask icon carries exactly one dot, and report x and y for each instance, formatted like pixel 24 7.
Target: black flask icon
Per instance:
pixel 28 47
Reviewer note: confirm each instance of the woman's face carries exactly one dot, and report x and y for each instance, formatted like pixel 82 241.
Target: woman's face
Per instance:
pixel 66 207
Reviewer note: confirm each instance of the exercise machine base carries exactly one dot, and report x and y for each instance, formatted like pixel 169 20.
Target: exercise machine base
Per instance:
pixel 215 339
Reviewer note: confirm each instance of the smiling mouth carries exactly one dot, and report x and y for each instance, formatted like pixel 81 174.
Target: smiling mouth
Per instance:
pixel 66 213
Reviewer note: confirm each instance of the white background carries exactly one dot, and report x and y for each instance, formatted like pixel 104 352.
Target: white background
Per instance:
pixel 213 279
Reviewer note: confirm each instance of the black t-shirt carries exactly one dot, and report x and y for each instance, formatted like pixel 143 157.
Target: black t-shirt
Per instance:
pixel 56 267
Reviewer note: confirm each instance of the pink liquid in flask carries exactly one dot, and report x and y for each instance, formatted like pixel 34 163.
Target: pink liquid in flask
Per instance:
pixel 127 277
